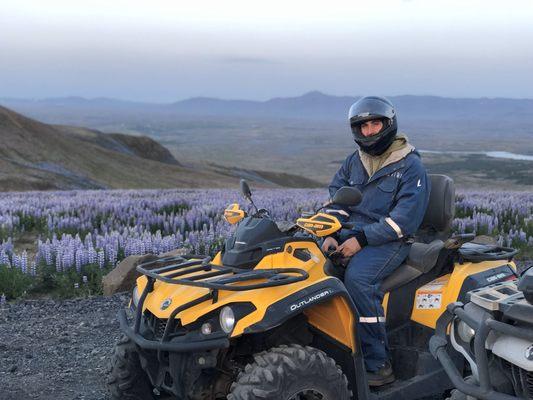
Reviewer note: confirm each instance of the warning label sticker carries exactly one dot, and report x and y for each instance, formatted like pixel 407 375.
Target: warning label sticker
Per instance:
pixel 429 296
pixel 428 301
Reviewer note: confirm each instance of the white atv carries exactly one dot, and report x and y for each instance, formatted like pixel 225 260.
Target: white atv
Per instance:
pixel 494 333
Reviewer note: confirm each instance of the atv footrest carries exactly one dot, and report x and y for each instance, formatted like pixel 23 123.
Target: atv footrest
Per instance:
pixel 194 270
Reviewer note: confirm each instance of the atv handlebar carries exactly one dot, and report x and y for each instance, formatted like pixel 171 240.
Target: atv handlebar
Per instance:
pixel 348 225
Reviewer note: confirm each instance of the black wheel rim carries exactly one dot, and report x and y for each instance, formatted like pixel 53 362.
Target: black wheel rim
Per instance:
pixel 307 394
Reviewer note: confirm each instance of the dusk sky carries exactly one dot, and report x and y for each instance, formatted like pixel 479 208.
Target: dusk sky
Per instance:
pixel 167 50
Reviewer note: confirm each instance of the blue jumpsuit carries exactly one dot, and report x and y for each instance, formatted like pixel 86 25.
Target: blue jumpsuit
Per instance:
pixel 393 205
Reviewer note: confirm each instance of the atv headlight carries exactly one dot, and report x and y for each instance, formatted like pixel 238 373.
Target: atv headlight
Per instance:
pixel 135 296
pixel 465 332
pixel 227 319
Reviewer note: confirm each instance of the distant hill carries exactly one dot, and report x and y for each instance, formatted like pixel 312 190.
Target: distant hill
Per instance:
pixel 140 146
pixel 38 156
pixel 312 105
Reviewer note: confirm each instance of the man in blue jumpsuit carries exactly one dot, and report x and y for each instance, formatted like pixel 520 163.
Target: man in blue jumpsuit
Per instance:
pixel 395 188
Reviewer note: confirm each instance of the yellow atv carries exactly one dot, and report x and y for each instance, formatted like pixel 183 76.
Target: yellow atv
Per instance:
pixel 269 317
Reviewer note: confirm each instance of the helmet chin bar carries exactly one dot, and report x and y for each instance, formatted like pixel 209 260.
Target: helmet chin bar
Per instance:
pixel 378 143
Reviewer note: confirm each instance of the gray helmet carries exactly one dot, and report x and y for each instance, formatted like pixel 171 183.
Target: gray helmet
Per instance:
pixel 370 108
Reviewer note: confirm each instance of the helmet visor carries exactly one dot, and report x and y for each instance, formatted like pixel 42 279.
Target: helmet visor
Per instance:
pixel 371 108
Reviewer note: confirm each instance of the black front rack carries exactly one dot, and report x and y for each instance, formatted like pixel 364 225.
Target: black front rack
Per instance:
pixel 216 277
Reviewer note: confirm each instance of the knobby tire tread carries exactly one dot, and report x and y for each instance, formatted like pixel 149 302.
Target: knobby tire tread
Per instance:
pixel 276 373
pixel 126 378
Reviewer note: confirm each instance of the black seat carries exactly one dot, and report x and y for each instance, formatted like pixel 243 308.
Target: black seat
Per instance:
pixel 429 239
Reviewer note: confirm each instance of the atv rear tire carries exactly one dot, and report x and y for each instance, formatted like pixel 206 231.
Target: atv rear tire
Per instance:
pixel 289 373
pixel 126 378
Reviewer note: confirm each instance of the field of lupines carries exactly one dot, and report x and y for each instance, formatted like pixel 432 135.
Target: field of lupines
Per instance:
pixel 83 234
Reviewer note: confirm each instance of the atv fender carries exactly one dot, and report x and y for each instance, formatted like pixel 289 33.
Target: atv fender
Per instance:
pixel 327 306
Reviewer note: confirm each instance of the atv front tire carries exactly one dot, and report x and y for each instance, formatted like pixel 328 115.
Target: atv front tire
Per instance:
pixel 126 378
pixel 290 373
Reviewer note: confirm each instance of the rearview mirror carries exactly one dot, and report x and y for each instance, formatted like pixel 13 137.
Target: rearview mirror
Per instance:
pixel 245 189
pixel 347 196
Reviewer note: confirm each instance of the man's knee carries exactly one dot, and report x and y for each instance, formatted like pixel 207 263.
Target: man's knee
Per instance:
pixel 362 271
pixel 357 282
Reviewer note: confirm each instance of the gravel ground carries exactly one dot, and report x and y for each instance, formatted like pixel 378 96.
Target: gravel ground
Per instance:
pixel 57 349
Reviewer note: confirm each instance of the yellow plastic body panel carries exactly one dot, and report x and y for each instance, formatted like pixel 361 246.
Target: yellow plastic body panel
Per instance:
pixel 326 317
pixel 217 259
pixel 334 318
pixel 320 224
pixel 431 299
pixel 233 213
pixel 385 303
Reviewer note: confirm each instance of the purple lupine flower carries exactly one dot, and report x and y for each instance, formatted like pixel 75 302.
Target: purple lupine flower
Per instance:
pixel 101 259
pixel 80 224
pixel 24 262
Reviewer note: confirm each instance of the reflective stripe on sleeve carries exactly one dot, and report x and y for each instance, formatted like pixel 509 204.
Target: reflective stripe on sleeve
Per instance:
pixel 394 226
pixel 371 320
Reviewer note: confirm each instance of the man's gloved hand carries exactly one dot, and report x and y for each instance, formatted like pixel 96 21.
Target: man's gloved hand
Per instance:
pixel 329 243
pixel 349 247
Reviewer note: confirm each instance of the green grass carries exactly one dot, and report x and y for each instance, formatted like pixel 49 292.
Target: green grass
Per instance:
pixel 13 282
pixel 52 284
pixel 69 283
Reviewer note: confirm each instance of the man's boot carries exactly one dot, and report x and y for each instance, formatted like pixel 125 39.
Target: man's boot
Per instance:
pixel 381 377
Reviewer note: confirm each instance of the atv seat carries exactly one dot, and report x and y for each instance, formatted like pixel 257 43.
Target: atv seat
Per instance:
pixel 429 238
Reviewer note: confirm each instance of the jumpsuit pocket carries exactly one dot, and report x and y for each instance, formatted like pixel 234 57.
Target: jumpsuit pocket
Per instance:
pixel 356 179
pixel 383 196
pixel 388 184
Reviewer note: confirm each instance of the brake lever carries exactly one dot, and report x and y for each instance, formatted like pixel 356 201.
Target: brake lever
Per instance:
pixel 333 254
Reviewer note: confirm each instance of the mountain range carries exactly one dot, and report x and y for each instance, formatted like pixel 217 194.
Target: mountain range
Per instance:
pixel 312 105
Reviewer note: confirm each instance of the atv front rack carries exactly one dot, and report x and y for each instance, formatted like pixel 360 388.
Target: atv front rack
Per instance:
pixel 178 270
